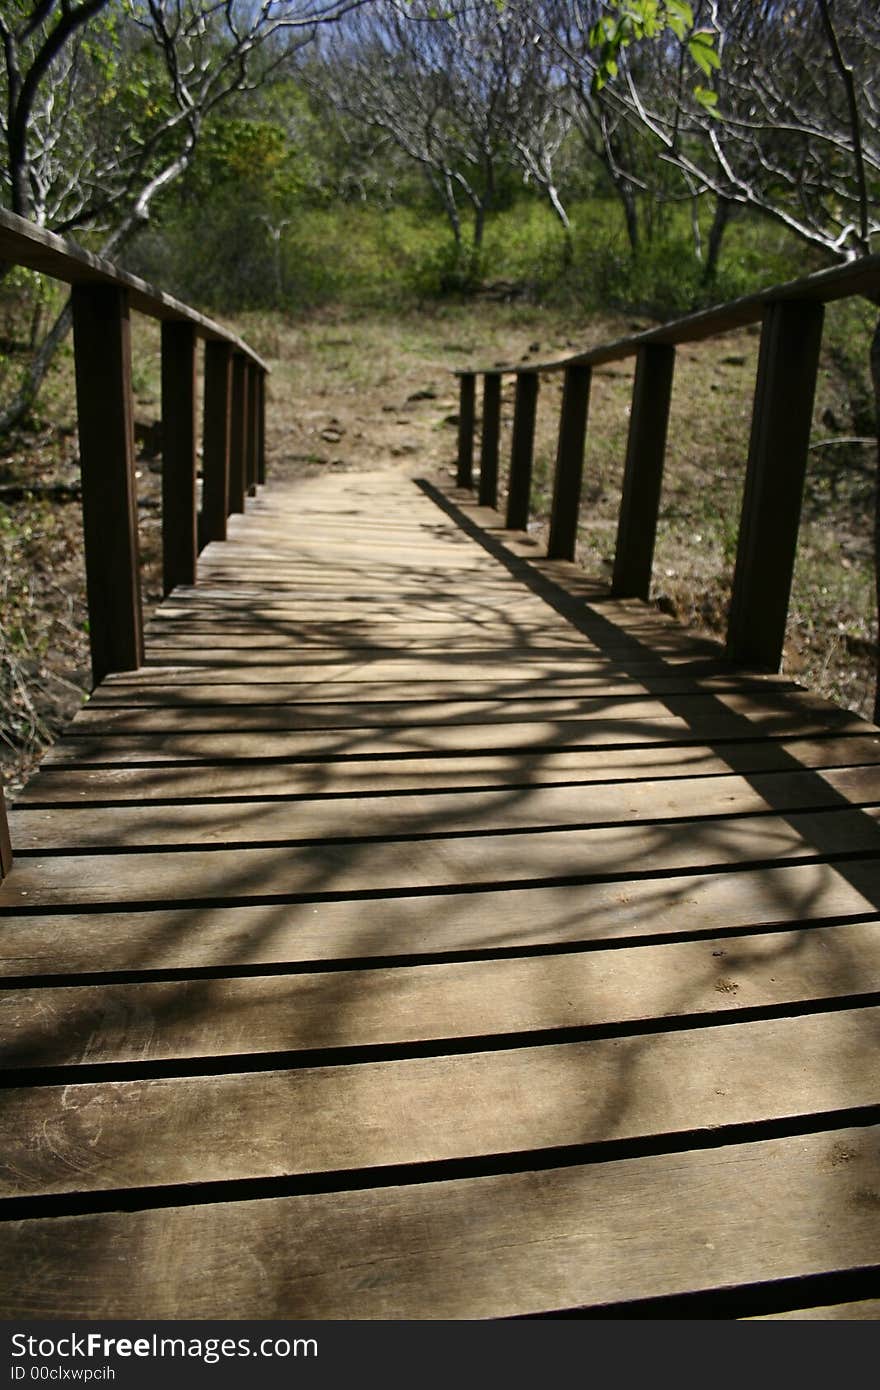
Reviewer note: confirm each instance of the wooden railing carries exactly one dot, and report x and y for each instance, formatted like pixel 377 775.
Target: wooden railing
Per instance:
pixel 233 461
pixel 791 316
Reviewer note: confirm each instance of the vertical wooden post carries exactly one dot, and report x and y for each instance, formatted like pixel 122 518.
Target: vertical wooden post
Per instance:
pixel 489 435
pixel 179 548
pixel 787 365
pixel 5 842
pixel 643 472
pixel 253 433
pixel 466 412
pixel 261 426
pixel 238 435
pixel 215 456
pixel 102 344
pixel 522 450
pixel 569 462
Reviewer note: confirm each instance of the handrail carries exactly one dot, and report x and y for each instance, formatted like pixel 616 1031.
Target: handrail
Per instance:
pixel 233 462
pixel 791 315
pixel 857 277
pixel 25 244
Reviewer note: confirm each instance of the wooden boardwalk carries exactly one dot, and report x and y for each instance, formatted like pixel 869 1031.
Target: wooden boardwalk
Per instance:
pixel 421 933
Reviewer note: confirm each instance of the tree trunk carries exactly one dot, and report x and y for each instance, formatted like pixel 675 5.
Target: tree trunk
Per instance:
pixel 723 207
pixel 36 371
pixel 630 212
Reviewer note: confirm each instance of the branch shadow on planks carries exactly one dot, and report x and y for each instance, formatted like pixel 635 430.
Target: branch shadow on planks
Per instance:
pixel 371 909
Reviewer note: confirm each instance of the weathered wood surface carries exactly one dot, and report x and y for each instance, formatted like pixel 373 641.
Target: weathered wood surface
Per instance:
pixel 419 935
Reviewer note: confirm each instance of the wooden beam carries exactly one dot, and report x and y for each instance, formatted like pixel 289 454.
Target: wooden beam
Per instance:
pixel 569 462
pixel 238 438
pixel 217 422
pixel 643 471
pixel 23 243
pixel 261 426
pixel 5 842
pixel 179 545
pixel 253 431
pixel 466 414
pixel 489 438
pixel 102 346
pixel 522 450
pixel 781 420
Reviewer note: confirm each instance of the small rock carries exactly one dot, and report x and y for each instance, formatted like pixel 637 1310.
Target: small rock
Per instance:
pixel 426 395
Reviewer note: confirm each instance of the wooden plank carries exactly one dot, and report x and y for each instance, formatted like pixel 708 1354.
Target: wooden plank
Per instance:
pixel 179 516
pixel 133 1134
pixel 263 637
pixel 569 464
pixel 503 808
pixel 435 862
pixel 234 694
pixel 514 737
pixel 477 924
pixel 102 349
pixel 433 1004
pixel 780 437
pixel 643 471
pixel 694 707
pixel 275 869
pixel 588 1235
pixel 530 766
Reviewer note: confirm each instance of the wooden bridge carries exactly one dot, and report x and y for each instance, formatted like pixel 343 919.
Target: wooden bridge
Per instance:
pixel 417 928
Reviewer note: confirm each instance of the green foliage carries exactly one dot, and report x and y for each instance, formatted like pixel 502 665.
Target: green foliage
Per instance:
pixel 629 21
pixel 308 253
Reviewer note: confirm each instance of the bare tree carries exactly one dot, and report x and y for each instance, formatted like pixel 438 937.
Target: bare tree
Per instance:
pixel 797 94
pixel 102 104
pixel 465 93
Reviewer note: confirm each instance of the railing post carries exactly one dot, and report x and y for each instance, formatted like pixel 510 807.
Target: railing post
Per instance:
pixel 643 471
pixel 522 451
pixel 261 426
pixel 253 434
pixel 215 456
pixel 490 430
pixel 787 366
pixel 102 345
pixel 5 842
pixel 179 543
pixel 466 412
pixel 569 462
pixel 239 432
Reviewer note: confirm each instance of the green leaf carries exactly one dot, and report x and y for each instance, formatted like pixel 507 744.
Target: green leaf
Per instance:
pixel 701 49
pixel 707 98
pixel 680 10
